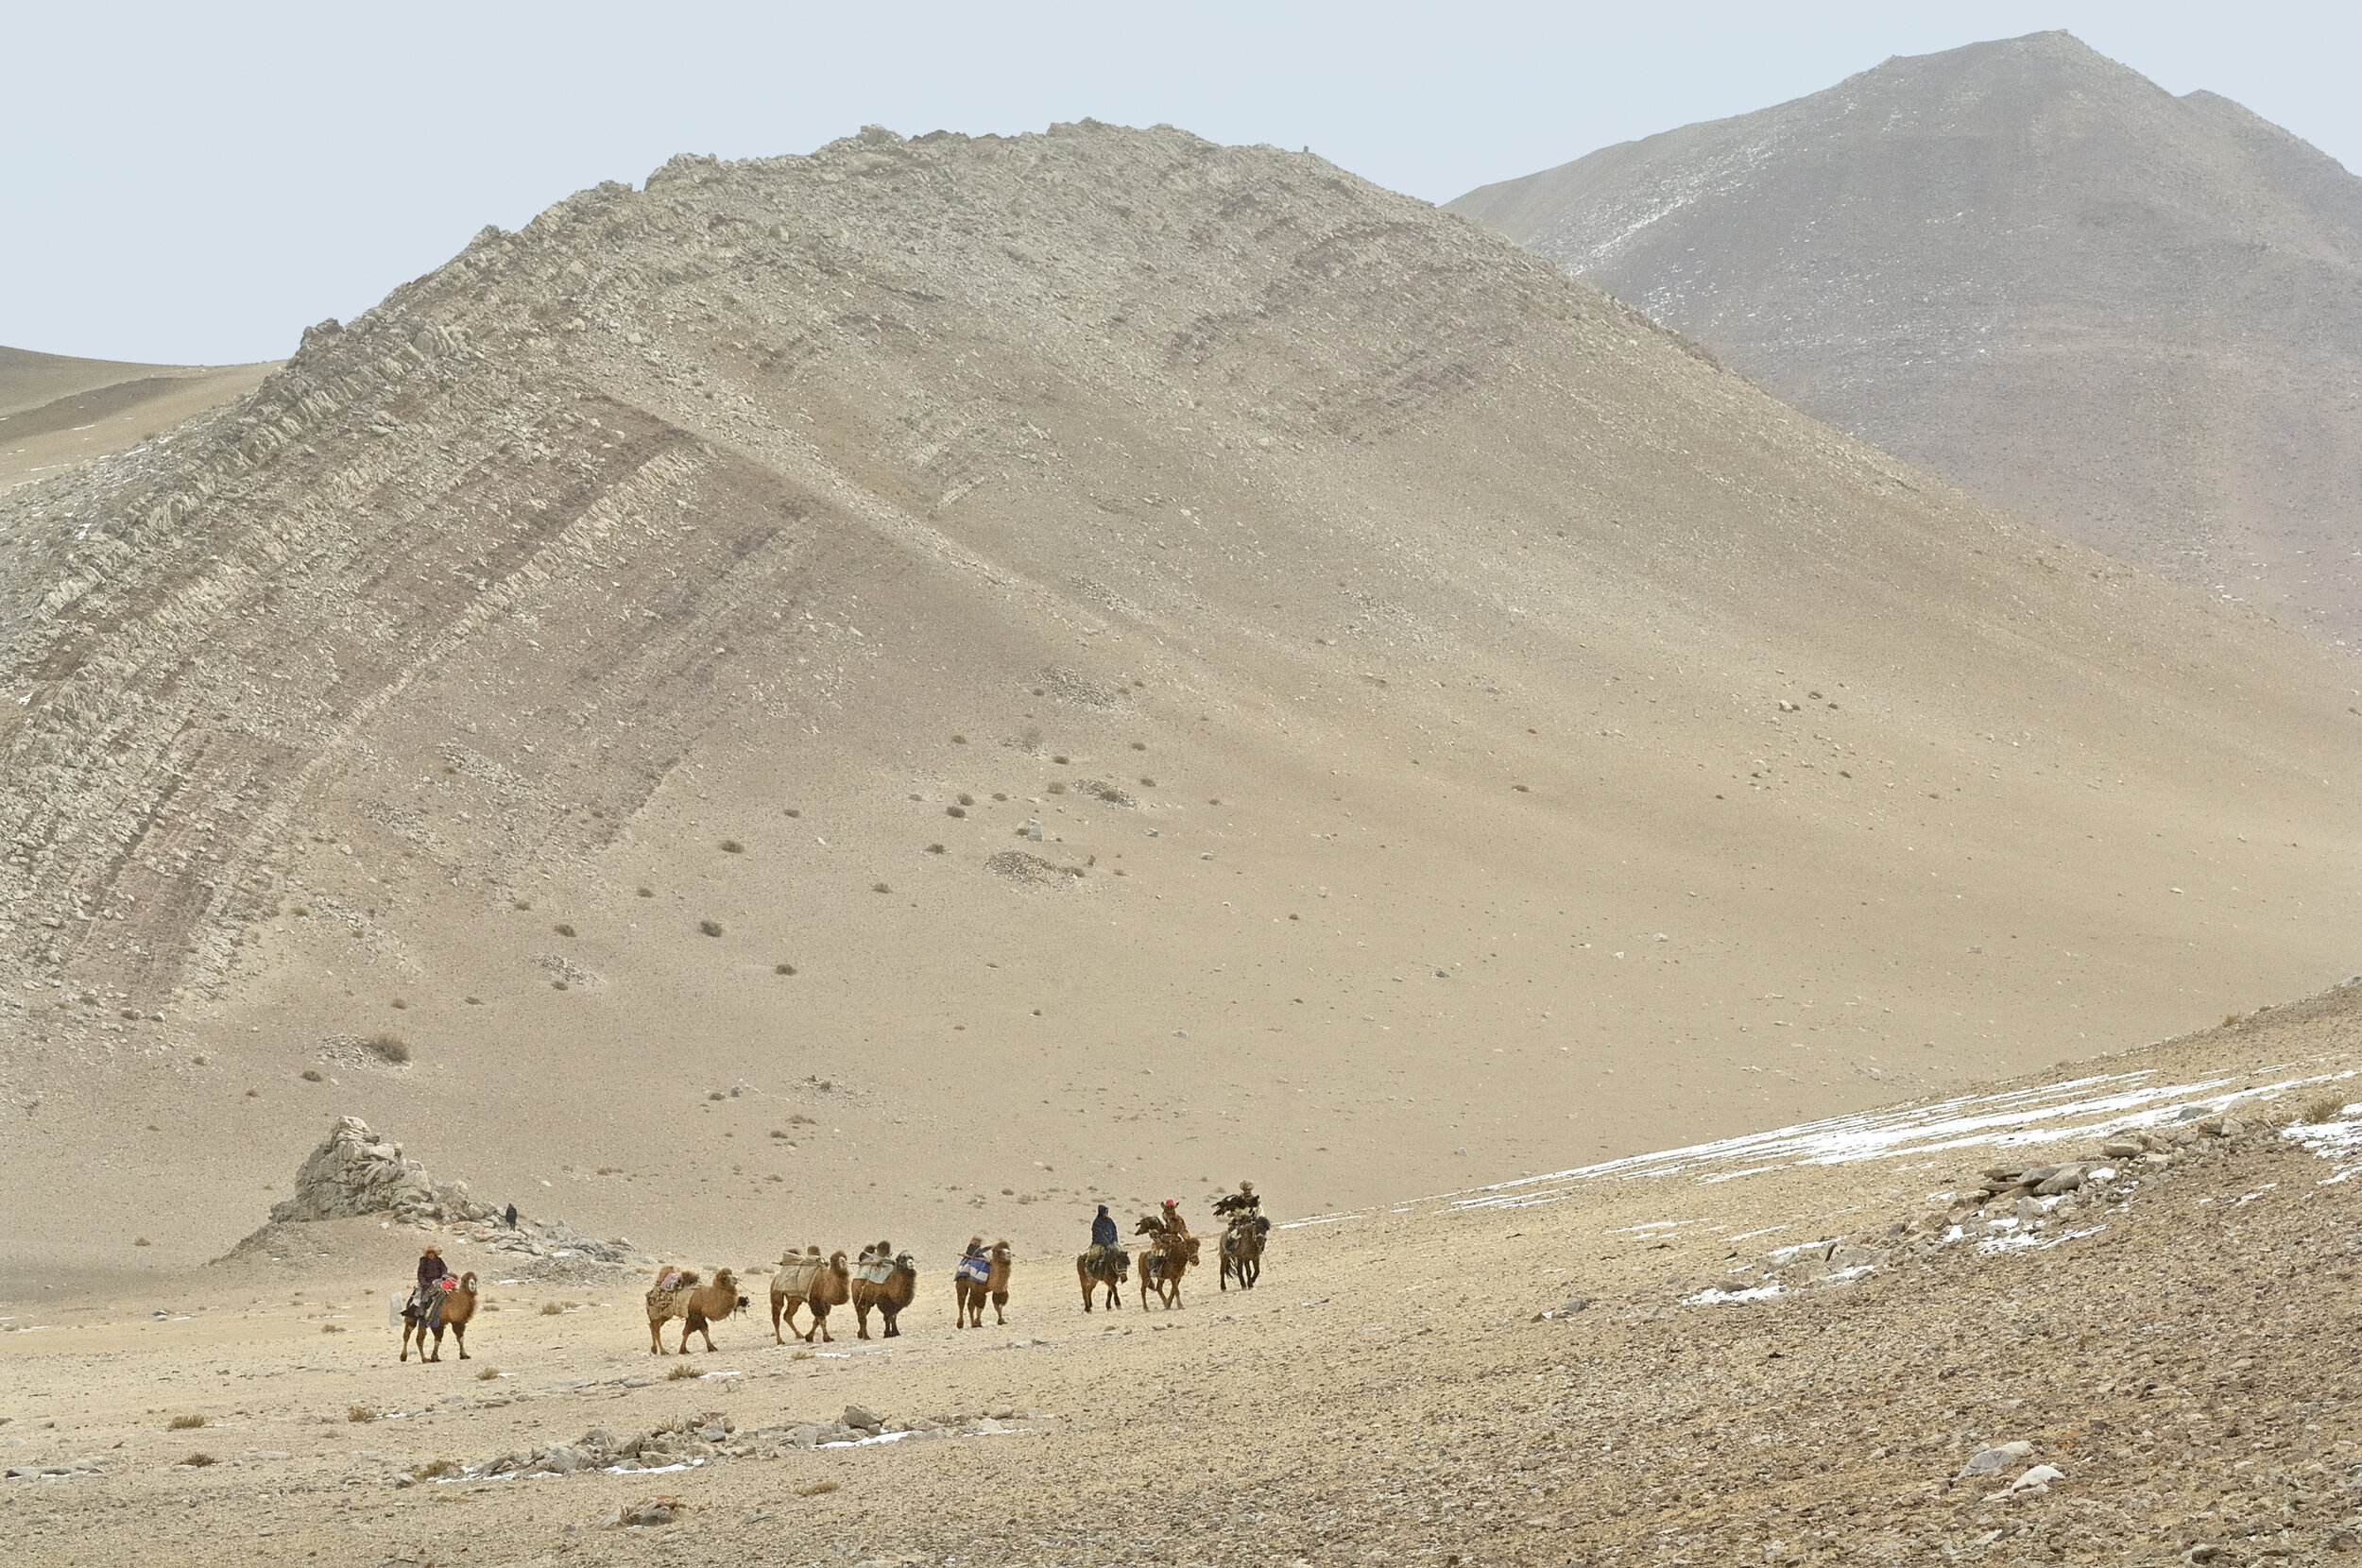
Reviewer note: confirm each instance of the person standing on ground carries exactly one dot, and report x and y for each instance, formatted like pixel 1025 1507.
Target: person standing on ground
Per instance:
pixel 512 1216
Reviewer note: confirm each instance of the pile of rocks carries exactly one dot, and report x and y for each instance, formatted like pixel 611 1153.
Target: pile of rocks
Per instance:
pixel 861 1425
pixel 549 1238
pixel 357 1170
pixel 2007 1204
pixel 684 1441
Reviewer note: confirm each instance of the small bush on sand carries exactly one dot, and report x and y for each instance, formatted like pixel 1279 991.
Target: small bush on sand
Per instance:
pixel 815 1489
pixel 485 1375
pixel 2322 1108
pixel 782 968
pixel 184 1424
pixel 647 893
pixel 311 1075
pixel 879 887
pixel 332 1328
pixel 731 846
pixel 681 1370
pixel 358 1413
pixel 563 930
pixel 710 928
pixel 389 1049
pixel 435 1469
pixel 198 1461
pixel 551 1309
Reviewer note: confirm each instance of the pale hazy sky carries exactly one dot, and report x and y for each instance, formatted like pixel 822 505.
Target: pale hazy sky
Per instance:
pixel 193 183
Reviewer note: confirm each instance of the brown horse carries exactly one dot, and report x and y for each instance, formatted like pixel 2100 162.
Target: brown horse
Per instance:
pixel 458 1306
pixel 808 1282
pixel 678 1294
pixel 969 1295
pixel 1162 1265
pixel 888 1297
pixel 1109 1274
pixel 1243 1251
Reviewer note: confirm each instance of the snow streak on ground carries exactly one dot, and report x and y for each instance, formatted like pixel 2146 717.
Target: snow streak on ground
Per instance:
pixel 2082 1108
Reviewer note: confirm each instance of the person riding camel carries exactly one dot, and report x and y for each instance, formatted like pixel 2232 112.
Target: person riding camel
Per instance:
pixel 429 1295
pixel 1103 1237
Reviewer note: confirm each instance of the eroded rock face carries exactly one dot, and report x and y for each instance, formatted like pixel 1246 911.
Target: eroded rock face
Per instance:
pixel 357 1170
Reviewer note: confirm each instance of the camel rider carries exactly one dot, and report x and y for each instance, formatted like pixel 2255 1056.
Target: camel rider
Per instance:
pixel 430 1293
pixel 1103 1238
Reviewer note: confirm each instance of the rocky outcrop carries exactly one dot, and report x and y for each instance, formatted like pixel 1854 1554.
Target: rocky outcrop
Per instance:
pixel 357 1170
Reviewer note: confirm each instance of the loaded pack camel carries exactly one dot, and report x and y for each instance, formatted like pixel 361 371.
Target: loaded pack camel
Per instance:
pixel 458 1306
pixel 888 1295
pixel 1108 1273
pixel 808 1282
pixel 970 1293
pixel 678 1293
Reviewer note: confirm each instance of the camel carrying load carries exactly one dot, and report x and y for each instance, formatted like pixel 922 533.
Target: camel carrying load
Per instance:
pixel 805 1280
pixel 679 1293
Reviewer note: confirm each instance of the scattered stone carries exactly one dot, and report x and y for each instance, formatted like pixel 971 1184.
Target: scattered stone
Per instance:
pixel 1992 1461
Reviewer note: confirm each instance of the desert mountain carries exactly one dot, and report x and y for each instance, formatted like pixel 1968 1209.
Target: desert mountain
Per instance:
pixel 2135 317
pixel 57 411
pixel 914 687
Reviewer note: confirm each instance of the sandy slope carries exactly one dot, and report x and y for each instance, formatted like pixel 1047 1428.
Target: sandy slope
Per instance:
pixel 1466 729
pixel 57 411
pixel 2134 317
pixel 1394 1392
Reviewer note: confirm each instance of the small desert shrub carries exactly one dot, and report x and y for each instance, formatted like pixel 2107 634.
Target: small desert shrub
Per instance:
pixel 782 968
pixel 196 1061
pixel 731 846
pixel 399 1005
pixel 879 887
pixel 800 1356
pixel 198 1461
pixel 710 928
pixel 475 1002
pixel 778 1134
pixel 332 1328
pixel 551 1309
pixel 1060 760
pixel 520 903
pixel 141 1241
pixel 2323 1108
pixel 936 849
pixel 1148 783
pixel 1140 745
pixel 563 930
pixel 681 1370
pixel 792 812
pixel 999 795
pixel 955 810
pixel 959 740
pixel 715 1094
pixel 647 893
pixel 184 1424
pixel 358 1413
pixel 311 1075
pixel 434 1469
pixel 389 1049
pixel 815 1489
pixel 255 1094
pixel 1058 789
pixel 485 1375
pixel 967 799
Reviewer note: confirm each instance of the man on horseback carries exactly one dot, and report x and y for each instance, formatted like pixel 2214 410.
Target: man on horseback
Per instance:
pixel 1103 1237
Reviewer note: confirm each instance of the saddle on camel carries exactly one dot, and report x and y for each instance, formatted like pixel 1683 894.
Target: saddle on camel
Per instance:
pixel 807 1281
pixel 681 1293
pixel 885 1280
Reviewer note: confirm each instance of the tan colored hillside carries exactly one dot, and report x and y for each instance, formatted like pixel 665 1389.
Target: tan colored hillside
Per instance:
pixel 2134 317
pixel 57 411
pixel 1469 733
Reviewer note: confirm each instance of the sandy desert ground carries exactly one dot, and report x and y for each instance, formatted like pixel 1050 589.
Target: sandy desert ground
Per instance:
pixel 56 410
pixel 1651 1363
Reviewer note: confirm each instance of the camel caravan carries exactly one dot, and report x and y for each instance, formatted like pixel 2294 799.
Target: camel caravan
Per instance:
pixel 883 1281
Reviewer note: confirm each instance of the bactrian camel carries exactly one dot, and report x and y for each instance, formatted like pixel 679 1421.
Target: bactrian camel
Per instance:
pixel 678 1294
pixel 969 1293
pixel 458 1306
pixel 808 1282
pixel 889 1298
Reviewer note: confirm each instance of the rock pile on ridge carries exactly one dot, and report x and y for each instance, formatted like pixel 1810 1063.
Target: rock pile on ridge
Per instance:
pixel 357 1170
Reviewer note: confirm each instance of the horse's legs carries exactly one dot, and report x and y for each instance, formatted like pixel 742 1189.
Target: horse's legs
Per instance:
pixel 459 1337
